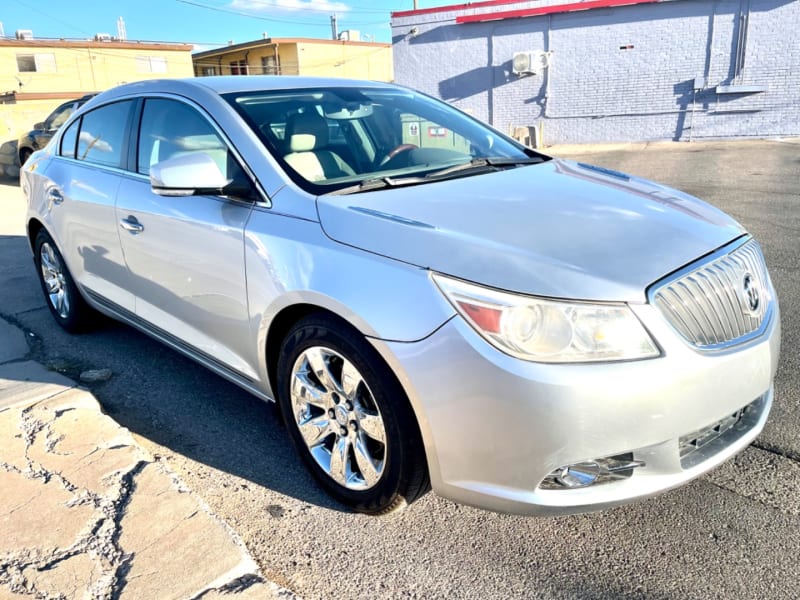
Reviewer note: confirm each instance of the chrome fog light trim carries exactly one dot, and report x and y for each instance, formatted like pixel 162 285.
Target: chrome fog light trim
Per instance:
pixel 591 472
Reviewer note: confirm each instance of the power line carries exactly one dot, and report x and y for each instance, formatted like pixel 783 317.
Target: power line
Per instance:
pixel 309 7
pixel 273 19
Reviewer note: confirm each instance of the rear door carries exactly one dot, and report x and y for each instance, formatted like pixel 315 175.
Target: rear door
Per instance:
pixel 82 180
pixel 185 255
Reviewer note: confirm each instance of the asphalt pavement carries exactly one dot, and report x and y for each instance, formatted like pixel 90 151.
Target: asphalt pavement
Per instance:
pixel 734 533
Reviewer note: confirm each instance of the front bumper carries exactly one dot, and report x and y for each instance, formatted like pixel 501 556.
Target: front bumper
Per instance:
pixel 495 426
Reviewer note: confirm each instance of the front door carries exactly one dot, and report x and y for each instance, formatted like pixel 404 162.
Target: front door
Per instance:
pixel 185 254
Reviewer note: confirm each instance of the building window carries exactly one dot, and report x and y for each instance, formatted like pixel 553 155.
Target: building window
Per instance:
pixel 239 67
pixel 36 63
pixel 269 66
pixel 151 64
pixel 209 71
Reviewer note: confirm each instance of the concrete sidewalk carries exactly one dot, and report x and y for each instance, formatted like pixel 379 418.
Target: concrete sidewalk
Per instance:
pixel 86 512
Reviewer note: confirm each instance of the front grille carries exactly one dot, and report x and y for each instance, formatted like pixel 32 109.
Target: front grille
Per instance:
pixel 700 445
pixel 726 299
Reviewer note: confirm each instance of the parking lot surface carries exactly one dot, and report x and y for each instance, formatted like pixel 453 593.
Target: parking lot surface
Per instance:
pixel 734 533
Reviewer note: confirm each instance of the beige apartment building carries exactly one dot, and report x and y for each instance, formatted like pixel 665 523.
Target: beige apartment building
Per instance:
pixel 299 56
pixel 36 75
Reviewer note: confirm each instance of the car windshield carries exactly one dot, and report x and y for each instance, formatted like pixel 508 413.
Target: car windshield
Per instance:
pixel 351 139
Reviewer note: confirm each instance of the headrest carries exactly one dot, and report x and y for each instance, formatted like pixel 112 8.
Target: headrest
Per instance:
pixel 306 131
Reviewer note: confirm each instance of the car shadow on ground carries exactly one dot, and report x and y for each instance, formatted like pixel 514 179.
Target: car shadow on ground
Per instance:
pixel 158 393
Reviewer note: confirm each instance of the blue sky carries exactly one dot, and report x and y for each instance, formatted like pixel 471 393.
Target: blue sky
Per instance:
pixel 207 23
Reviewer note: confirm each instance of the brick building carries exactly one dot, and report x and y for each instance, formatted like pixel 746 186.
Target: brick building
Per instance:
pixel 610 70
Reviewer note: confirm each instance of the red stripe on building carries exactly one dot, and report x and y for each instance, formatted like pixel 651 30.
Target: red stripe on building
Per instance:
pixel 549 10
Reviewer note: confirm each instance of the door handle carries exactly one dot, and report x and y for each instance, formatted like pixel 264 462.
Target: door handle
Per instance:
pixel 54 196
pixel 132 225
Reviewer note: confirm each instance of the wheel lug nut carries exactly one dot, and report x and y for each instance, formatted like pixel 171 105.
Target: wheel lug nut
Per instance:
pixel 353 426
pixel 331 413
pixel 343 431
pixel 348 405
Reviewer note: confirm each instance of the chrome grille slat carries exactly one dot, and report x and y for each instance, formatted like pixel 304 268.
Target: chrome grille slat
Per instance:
pixel 718 306
pixel 708 304
pixel 730 299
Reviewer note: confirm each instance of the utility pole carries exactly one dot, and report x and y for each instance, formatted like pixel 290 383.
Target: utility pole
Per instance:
pixel 334 28
pixel 415 4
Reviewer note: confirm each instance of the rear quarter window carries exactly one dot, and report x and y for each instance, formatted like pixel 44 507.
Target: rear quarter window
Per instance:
pixel 69 139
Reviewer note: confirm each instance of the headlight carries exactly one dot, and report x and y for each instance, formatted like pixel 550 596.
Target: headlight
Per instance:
pixel 550 331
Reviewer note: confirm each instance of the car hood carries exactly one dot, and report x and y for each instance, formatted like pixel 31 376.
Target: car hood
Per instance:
pixel 559 229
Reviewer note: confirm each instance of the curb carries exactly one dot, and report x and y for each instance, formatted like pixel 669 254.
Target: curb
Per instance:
pixel 85 511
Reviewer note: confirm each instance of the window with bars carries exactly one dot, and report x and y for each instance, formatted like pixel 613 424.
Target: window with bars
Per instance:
pixel 269 65
pixel 239 67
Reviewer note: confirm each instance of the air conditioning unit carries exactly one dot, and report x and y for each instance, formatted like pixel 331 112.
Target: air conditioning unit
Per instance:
pixel 102 37
pixel 24 34
pixel 529 62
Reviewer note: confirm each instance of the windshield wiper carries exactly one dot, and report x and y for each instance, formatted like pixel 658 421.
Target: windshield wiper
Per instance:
pixel 489 163
pixel 492 164
pixel 376 183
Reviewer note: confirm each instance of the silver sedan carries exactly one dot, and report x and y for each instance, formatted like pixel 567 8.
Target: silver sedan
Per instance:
pixel 428 302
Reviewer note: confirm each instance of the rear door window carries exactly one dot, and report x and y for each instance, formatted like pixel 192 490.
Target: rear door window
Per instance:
pixel 102 135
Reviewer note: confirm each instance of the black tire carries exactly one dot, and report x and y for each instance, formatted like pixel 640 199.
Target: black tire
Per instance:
pixel 70 309
pixel 24 155
pixel 403 471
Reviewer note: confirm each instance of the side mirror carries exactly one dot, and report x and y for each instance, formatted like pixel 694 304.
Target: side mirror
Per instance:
pixel 187 175
pixel 40 125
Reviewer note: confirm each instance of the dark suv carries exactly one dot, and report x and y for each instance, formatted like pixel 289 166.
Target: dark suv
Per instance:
pixel 37 138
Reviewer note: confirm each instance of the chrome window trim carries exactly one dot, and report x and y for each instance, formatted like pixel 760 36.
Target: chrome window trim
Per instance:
pixel 264 202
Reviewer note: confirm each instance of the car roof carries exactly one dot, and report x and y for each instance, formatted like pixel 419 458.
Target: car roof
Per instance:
pixel 237 84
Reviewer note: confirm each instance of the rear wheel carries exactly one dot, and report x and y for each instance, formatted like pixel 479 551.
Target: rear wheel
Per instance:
pixel 61 294
pixel 349 418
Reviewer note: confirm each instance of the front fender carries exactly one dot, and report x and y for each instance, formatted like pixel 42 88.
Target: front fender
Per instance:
pixel 290 261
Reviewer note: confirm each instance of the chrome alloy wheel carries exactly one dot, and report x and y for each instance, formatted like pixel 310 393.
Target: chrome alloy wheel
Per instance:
pixel 338 418
pixel 54 280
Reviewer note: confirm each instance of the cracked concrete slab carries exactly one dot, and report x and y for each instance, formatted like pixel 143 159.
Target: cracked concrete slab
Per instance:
pixel 86 512
pixel 35 517
pixel 29 382
pixel 163 520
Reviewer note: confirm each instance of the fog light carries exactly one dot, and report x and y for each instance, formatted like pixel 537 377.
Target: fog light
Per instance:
pixel 591 472
pixel 578 475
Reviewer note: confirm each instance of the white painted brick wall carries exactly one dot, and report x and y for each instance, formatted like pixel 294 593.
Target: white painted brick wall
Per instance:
pixel 601 93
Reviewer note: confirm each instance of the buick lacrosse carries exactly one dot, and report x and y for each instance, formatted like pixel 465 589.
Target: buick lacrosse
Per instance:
pixel 430 303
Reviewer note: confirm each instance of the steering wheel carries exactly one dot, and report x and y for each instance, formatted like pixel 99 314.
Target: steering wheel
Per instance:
pixel 397 150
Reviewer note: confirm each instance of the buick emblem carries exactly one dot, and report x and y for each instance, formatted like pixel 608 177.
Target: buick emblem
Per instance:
pixel 751 294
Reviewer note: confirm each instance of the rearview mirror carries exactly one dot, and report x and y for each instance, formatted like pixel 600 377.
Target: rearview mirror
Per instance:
pixel 354 110
pixel 187 175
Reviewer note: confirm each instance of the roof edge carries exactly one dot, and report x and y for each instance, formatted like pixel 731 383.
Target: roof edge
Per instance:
pixel 116 44
pixel 289 40
pixel 453 7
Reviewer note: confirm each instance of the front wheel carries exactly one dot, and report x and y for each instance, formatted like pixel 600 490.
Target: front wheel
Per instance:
pixel 349 418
